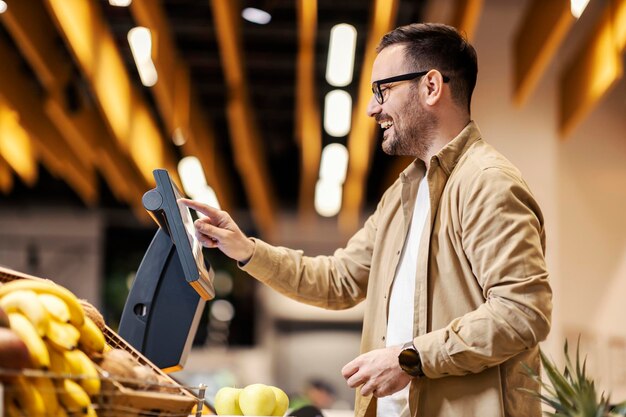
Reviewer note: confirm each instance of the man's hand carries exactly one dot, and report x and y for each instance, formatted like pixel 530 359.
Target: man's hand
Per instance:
pixel 377 372
pixel 218 230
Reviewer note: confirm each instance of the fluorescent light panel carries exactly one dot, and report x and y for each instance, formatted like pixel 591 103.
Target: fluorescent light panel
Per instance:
pixel 334 163
pixel 340 64
pixel 192 175
pixel 140 40
pixel 254 15
pixel 120 3
pixel 327 198
pixel 577 7
pixel 337 113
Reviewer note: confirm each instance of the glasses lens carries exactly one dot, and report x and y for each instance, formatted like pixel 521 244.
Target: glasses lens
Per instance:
pixel 377 93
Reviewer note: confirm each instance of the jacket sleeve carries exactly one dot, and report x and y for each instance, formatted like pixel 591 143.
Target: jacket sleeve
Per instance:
pixel 503 240
pixel 332 282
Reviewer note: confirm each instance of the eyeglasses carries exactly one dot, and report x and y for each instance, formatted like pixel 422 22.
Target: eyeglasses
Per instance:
pixel 379 92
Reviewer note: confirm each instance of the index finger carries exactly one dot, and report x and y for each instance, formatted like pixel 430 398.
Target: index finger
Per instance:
pixel 200 207
pixel 349 369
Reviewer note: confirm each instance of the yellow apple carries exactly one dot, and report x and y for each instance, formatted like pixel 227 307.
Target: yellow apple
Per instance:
pixel 282 402
pixel 227 402
pixel 257 400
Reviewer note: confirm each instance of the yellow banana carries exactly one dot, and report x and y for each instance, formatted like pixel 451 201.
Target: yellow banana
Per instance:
pixel 62 336
pixel 91 412
pixel 12 410
pixel 48 393
pixel 58 363
pixel 91 337
pixel 36 347
pixel 77 314
pixel 27 303
pixel 55 306
pixel 29 397
pixel 81 366
pixel 73 397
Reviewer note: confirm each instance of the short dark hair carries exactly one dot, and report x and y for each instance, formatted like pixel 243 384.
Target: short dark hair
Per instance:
pixel 441 47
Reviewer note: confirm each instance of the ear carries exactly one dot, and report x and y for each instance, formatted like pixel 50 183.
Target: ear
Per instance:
pixel 433 82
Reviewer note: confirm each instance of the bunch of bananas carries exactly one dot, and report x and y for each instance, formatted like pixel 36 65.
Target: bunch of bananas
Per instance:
pixel 59 337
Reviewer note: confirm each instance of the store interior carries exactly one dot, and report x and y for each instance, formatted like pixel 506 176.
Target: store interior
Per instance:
pixel 81 132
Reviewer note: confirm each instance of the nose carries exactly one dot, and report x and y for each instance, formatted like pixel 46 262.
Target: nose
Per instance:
pixel 373 108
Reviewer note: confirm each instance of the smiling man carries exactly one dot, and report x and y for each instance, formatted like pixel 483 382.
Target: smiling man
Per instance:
pixel 451 263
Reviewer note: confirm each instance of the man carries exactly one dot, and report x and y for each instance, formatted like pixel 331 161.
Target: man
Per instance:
pixel 452 260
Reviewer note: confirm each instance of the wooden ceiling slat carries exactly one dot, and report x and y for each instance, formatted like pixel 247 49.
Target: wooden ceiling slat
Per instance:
pixel 125 112
pixel 177 101
pixel 361 137
pixel 595 69
pixel 466 15
pixel 15 145
pixel 82 129
pixel 6 177
pixel 307 113
pixel 537 40
pixel 22 95
pixel 244 133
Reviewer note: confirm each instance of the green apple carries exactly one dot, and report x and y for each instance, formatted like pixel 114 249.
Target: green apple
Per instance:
pixel 227 402
pixel 282 402
pixel 257 400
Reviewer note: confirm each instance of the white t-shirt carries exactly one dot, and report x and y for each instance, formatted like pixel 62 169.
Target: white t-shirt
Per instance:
pixel 401 301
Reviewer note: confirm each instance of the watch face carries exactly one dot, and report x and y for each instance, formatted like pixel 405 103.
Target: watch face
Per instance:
pixel 410 362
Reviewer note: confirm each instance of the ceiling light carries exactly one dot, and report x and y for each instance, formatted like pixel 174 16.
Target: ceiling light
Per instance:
pixel 577 7
pixel 3 6
pixel 337 113
pixel 327 198
pixel 192 175
pixel 340 64
pixel 334 163
pixel 254 15
pixel 120 3
pixel 178 137
pixel 140 40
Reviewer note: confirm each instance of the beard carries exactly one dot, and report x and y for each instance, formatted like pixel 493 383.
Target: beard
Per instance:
pixel 412 135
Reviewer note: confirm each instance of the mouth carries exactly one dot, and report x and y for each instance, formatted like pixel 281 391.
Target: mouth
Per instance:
pixel 386 124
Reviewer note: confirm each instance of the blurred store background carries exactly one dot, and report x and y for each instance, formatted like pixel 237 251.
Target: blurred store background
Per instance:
pixel 269 119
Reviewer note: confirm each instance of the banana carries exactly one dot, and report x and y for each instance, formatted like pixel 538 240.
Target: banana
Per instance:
pixel 58 363
pixel 48 393
pixel 29 397
pixel 77 314
pixel 63 336
pixel 12 410
pixel 27 303
pixel 73 397
pixel 55 306
pixel 81 366
pixel 36 347
pixel 91 337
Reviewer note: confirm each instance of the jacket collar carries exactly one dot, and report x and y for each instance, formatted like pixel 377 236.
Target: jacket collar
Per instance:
pixel 447 157
pixel 450 154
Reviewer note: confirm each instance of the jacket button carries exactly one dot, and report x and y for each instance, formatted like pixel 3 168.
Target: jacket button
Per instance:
pixel 383 338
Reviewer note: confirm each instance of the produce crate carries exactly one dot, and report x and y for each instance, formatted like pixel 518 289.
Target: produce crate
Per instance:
pixel 117 400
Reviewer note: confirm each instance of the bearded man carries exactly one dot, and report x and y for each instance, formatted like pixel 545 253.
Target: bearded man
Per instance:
pixel 451 263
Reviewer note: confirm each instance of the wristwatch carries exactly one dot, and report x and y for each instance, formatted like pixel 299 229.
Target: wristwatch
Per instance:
pixel 410 361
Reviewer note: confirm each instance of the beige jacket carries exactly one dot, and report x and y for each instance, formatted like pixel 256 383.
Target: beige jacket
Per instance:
pixel 482 297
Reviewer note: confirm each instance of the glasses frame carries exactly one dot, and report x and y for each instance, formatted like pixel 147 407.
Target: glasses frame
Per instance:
pixel 378 92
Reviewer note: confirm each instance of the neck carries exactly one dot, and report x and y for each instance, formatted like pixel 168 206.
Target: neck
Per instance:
pixel 448 129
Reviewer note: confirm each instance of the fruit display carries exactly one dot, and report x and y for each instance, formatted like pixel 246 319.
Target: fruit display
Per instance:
pixel 253 400
pixel 47 332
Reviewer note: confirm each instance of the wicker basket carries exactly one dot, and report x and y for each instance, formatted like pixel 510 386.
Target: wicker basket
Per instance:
pixel 117 400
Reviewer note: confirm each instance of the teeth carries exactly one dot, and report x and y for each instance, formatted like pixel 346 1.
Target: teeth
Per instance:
pixel 387 124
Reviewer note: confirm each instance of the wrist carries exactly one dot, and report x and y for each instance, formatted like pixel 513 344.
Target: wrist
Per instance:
pixel 249 251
